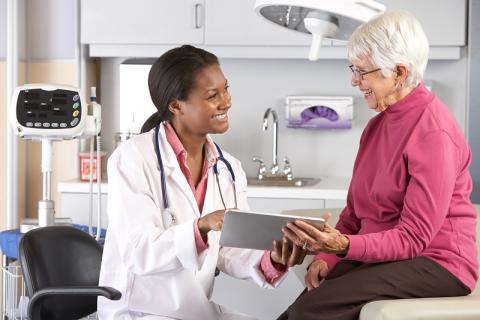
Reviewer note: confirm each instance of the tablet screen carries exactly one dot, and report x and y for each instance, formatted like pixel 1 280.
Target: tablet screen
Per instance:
pixel 256 230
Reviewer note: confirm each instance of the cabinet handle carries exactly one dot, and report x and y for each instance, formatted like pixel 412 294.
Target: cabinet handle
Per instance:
pixel 198 16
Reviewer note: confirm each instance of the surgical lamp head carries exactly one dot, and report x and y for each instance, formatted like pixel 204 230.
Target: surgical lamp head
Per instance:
pixel 333 19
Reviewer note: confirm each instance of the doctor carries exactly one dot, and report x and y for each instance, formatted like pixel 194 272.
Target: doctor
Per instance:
pixel 168 189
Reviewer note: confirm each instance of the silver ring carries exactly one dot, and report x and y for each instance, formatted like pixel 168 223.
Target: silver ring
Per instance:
pixel 304 247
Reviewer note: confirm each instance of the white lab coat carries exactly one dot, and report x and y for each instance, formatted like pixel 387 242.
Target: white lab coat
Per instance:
pixel 153 263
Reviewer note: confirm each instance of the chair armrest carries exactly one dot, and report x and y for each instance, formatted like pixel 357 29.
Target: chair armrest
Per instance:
pixel 454 308
pixel 37 300
pixel 107 292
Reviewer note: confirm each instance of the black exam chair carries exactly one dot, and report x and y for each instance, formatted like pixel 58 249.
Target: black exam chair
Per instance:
pixel 61 267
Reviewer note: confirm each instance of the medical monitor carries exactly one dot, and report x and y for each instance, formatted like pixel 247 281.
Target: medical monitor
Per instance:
pixel 47 111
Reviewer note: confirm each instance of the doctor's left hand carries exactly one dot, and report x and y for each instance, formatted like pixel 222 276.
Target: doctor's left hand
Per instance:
pixel 286 253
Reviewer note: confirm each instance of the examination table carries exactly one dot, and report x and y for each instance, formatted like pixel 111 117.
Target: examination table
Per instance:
pixel 457 308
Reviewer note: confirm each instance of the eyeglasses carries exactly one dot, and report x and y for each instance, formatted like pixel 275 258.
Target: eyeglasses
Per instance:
pixel 358 75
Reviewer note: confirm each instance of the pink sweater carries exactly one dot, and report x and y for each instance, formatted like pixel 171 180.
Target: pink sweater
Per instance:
pixel 410 191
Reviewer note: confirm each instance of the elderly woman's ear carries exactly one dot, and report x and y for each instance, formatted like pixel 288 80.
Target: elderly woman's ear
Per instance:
pixel 401 74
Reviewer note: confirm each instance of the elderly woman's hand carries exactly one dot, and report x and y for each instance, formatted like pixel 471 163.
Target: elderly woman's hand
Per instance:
pixel 286 253
pixel 310 237
pixel 316 273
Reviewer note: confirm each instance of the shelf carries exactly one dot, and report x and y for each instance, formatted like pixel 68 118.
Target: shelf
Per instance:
pixel 249 52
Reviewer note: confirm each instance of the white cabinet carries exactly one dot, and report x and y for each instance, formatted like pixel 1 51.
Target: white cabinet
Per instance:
pixel 444 21
pixel 232 29
pixel 234 22
pixel 142 21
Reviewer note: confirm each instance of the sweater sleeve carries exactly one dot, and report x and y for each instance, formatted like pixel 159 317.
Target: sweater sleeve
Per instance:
pixel 433 165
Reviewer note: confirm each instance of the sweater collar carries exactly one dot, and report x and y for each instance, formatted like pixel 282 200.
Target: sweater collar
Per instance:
pixel 418 99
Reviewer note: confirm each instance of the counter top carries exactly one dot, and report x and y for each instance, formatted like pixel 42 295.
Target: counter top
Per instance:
pixel 77 186
pixel 334 188
pixel 327 188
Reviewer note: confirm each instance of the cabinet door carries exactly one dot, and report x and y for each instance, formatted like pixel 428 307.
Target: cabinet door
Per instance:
pixel 235 22
pixel 444 22
pixel 142 21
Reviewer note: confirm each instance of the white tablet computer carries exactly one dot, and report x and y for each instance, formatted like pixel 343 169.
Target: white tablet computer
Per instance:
pixel 255 230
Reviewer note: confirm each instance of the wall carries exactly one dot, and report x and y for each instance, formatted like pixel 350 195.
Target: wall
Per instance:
pixel 49 43
pixel 257 84
pixel 473 97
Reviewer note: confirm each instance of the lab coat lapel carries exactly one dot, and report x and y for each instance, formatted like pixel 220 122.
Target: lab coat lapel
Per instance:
pixel 174 176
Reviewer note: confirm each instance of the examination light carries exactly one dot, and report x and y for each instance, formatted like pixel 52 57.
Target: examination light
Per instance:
pixel 333 19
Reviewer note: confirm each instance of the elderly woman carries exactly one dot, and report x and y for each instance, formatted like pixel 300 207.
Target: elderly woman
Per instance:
pixel 408 230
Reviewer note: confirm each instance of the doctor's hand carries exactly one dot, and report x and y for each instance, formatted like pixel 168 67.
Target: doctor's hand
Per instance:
pixel 286 253
pixel 310 237
pixel 316 273
pixel 211 221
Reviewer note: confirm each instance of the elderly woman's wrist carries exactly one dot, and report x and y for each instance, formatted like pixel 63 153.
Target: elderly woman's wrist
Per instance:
pixel 344 245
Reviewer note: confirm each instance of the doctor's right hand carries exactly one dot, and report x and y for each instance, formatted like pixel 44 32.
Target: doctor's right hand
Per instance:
pixel 316 273
pixel 211 221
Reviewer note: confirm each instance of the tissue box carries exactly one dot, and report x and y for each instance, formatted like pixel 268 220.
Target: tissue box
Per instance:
pixel 319 112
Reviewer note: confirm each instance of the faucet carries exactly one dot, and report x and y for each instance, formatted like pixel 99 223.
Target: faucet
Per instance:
pixel 287 169
pixel 269 111
pixel 261 169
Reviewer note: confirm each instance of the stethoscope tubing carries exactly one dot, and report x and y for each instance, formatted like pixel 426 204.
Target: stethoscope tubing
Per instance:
pixel 162 171
pixel 220 158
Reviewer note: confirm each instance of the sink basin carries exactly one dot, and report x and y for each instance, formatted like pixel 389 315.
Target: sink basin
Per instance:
pixel 296 182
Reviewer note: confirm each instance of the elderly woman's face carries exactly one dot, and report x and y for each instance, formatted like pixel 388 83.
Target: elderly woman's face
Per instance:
pixel 379 91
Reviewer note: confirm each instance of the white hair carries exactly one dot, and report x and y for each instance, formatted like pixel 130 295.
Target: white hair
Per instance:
pixel 394 37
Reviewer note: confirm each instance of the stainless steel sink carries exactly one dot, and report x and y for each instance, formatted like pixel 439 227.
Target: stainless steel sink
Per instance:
pixel 296 182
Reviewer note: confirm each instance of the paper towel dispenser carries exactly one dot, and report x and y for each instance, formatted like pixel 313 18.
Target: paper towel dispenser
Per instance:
pixel 319 112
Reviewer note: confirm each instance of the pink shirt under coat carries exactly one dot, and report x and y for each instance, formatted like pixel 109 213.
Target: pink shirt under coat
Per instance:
pixel 410 191
pixel 200 190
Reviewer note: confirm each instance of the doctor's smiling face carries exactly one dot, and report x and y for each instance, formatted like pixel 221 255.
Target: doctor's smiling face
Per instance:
pixel 205 109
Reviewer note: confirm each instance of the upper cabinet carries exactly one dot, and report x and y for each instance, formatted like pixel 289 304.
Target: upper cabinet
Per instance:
pixel 444 21
pixel 234 22
pixel 142 21
pixel 231 28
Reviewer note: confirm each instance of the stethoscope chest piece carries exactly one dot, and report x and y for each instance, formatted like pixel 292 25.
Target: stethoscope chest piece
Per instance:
pixel 169 217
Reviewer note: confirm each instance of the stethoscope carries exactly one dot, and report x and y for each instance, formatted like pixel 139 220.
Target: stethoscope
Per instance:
pixel 163 182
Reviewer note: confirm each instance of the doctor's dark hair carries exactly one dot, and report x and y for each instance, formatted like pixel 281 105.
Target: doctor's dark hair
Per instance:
pixel 172 77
